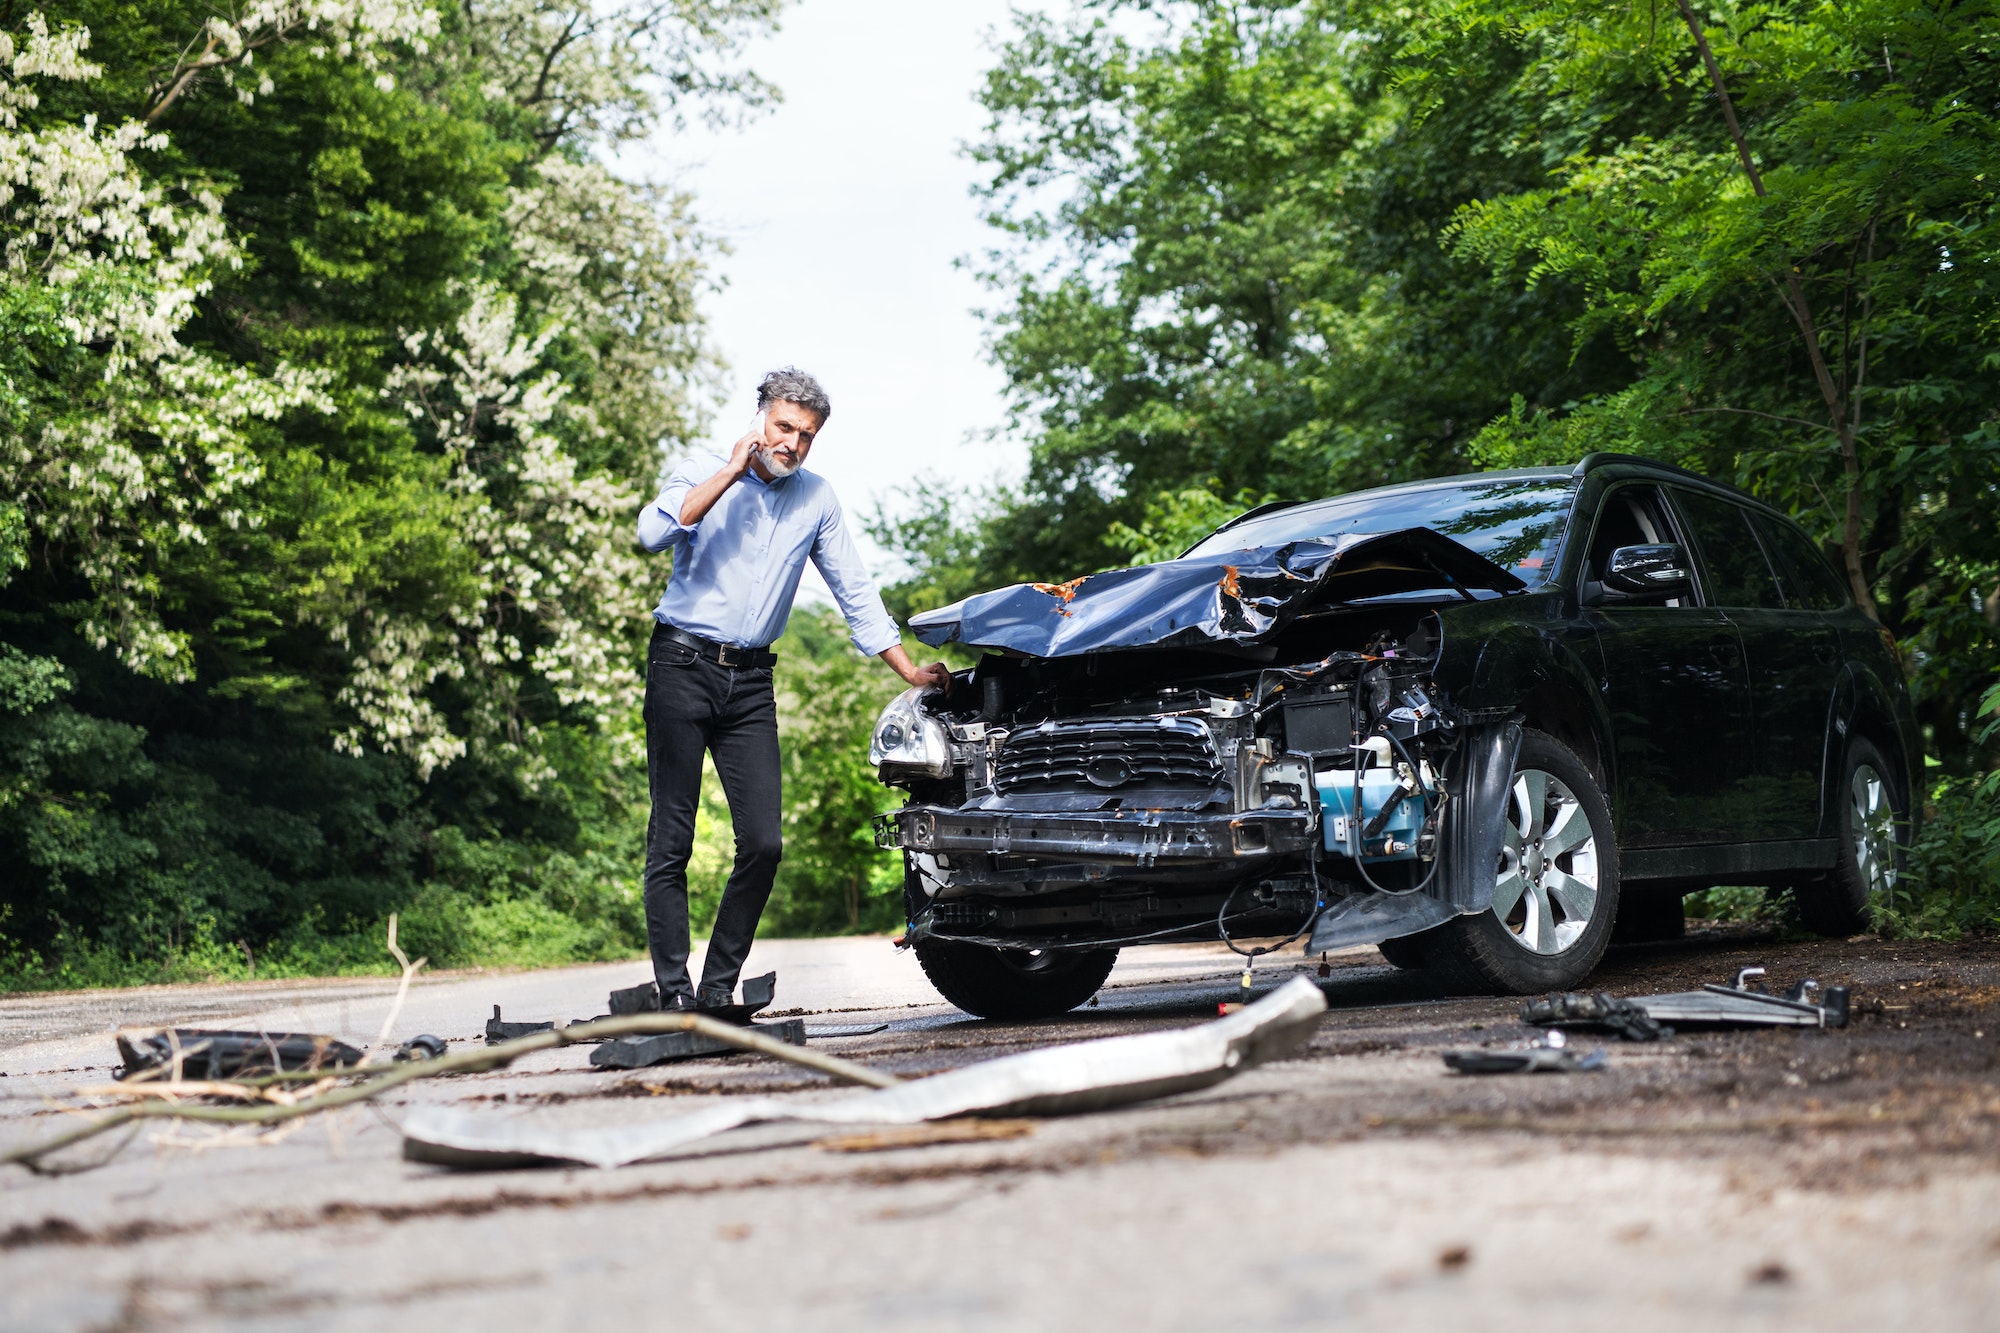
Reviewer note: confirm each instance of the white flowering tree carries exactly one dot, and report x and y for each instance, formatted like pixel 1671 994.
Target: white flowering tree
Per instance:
pixel 323 419
pixel 120 442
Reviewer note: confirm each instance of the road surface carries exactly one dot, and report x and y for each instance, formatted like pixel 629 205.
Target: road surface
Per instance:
pixel 1827 1179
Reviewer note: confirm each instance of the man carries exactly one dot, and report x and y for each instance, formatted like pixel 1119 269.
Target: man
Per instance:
pixel 741 529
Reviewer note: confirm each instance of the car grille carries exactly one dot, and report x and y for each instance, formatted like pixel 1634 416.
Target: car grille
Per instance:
pixel 1106 755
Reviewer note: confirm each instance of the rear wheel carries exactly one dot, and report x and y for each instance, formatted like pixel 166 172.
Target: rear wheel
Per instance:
pixel 1013 983
pixel 1555 888
pixel 1866 867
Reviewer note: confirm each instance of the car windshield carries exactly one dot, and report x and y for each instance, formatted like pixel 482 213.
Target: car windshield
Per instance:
pixel 1516 523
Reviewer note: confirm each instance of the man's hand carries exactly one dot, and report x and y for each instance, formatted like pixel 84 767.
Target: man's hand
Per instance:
pixel 700 499
pixel 740 454
pixel 936 676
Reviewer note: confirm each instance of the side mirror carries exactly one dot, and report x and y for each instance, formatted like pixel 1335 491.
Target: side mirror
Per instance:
pixel 1648 571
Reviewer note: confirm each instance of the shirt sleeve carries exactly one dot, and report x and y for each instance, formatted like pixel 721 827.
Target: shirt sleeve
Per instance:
pixel 660 521
pixel 870 627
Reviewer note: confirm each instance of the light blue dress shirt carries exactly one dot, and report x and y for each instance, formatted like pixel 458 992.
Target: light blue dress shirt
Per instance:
pixel 737 571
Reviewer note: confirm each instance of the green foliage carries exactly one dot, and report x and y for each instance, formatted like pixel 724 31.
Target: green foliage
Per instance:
pixel 833 878
pixel 1953 882
pixel 1299 248
pixel 325 403
pixel 1176 521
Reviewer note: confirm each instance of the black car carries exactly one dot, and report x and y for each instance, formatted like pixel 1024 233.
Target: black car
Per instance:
pixel 1470 720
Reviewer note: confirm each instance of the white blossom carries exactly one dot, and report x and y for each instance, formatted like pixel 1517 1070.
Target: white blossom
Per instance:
pixel 349 29
pixel 147 451
pixel 557 570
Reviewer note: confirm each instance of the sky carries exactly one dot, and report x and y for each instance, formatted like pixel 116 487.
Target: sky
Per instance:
pixel 847 207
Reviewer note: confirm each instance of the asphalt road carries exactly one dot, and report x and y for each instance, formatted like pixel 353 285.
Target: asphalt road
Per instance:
pixel 1832 1179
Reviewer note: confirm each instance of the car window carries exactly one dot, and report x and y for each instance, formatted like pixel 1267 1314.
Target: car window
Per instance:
pixel 1731 556
pixel 1810 581
pixel 1517 523
pixel 1629 516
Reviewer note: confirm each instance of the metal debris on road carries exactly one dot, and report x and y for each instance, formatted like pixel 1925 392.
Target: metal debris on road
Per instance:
pixel 1059 1080
pixel 1741 1004
pixel 1551 1054
pixel 194 1054
pixel 374 1080
pixel 639 1052
pixel 821 1031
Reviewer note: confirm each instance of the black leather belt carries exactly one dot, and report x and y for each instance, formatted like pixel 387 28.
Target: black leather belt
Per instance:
pixel 722 654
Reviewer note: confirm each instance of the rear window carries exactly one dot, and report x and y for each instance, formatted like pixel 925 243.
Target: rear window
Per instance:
pixel 1518 523
pixel 1810 583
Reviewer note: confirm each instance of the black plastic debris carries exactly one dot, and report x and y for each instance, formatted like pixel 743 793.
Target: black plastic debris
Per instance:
pixel 1551 1054
pixel 499 1030
pixel 757 993
pixel 421 1047
pixel 638 1052
pixel 198 1055
pixel 636 1000
pixel 1627 1018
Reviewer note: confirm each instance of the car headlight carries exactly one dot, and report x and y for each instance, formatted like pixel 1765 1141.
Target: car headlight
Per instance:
pixel 908 738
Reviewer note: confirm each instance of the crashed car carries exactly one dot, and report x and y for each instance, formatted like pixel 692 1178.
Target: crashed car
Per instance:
pixel 1468 720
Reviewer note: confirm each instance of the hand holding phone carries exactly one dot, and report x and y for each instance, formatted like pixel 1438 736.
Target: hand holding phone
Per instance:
pixel 746 448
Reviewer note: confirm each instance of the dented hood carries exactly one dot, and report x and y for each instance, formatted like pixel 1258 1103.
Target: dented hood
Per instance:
pixel 1228 597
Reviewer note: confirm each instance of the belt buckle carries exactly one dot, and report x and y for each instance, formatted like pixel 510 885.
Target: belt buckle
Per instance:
pixel 728 655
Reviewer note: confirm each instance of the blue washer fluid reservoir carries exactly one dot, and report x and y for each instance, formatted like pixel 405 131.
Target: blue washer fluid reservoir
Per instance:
pixel 1398 839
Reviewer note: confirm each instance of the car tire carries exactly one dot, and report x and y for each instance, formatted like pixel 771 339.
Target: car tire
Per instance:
pixel 1013 983
pixel 1553 912
pixel 1411 953
pixel 1871 803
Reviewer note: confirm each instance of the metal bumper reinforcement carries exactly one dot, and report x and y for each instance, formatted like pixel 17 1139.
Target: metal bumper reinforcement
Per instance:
pixel 1140 838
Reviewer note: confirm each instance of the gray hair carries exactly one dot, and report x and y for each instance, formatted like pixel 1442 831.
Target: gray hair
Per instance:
pixel 789 384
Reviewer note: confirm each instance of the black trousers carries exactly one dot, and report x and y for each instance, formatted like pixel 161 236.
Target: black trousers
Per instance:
pixel 692 706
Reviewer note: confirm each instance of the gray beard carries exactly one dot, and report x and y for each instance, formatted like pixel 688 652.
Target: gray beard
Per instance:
pixel 775 465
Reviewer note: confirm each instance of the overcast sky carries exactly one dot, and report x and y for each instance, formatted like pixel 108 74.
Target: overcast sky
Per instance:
pixel 847 206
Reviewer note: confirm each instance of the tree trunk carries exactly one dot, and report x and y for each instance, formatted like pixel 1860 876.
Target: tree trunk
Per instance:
pixel 1837 407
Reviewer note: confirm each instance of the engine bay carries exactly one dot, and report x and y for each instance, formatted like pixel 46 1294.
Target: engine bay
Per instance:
pixel 1077 797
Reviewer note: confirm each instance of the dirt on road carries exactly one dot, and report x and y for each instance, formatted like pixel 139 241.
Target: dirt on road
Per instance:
pixel 1739 1178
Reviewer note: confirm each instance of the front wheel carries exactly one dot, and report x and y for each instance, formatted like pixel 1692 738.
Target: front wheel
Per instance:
pixel 1555 890
pixel 1013 983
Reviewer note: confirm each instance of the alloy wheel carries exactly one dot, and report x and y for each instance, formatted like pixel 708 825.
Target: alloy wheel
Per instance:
pixel 1874 830
pixel 1546 889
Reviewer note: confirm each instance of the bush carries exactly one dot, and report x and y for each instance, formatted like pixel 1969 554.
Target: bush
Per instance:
pixel 1952 885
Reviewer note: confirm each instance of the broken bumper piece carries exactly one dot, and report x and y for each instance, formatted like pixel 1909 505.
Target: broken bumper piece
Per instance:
pixel 198 1055
pixel 1060 1080
pixel 639 1052
pixel 1144 838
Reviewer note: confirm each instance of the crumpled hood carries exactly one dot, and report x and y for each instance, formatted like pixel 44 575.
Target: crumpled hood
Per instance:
pixel 1231 597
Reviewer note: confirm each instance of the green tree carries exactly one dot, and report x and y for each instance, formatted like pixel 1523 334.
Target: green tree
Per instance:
pixel 335 364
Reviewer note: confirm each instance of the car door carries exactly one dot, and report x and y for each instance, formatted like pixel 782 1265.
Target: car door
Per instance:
pixel 1812 591
pixel 1789 660
pixel 1674 686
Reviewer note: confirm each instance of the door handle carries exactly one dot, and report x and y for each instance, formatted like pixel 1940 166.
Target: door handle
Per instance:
pixel 1724 650
pixel 1824 652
